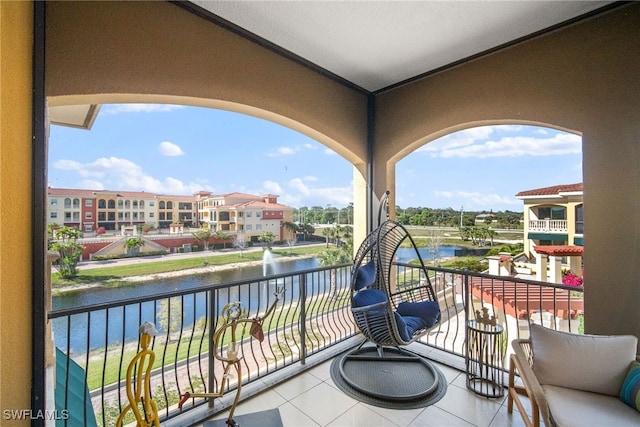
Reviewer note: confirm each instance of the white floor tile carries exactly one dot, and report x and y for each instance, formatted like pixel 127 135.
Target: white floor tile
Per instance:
pixel 323 403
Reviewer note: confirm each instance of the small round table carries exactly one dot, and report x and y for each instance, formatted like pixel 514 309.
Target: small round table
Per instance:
pixel 483 359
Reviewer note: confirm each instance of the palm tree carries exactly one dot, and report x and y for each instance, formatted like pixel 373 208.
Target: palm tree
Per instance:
pixel 334 256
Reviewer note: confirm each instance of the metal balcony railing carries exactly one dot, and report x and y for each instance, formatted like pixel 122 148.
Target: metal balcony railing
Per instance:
pixel 312 316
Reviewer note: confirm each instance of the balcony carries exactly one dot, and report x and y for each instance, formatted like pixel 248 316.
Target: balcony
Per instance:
pixel 290 370
pixel 548 226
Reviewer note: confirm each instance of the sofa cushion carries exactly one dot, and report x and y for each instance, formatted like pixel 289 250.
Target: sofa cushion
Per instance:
pixel 575 408
pixel 630 392
pixel 594 363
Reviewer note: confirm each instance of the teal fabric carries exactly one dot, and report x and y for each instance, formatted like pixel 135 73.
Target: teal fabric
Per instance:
pixel 365 276
pixel 72 400
pixel 630 392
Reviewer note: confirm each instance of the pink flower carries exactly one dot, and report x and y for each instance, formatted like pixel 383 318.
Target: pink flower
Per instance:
pixel 571 279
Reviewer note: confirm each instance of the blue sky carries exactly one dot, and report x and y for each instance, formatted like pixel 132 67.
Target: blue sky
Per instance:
pixel 171 149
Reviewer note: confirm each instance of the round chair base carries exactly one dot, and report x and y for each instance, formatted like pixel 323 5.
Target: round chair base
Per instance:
pixel 398 376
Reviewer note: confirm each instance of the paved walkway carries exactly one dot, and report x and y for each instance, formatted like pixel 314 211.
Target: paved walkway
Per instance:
pixel 85 265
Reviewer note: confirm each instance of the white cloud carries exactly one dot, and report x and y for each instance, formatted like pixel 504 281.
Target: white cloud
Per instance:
pixel 282 151
pixel 475 200
pixel 140 108
pixel 170 149
pixel 121 174
pixel 330 152
pixel 512 146
pixel 302 194
pixel 272 187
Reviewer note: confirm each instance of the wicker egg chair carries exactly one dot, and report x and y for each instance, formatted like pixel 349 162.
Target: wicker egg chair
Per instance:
pixel 390 310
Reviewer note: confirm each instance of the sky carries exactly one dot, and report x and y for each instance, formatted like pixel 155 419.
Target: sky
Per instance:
pixel 179 150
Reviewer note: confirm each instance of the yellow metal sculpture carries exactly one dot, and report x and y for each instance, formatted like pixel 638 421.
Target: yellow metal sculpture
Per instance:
pixel 232 317
pixel 139 391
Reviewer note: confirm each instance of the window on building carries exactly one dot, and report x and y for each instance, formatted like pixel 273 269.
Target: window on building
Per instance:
pixel 76 216
pixel 54 215
pixel 88 215
pixel 88 202
pixel 161 216
pixel 134 204
pixel 111 216
pixel 169 205
pixel 111 204
pixel 88 227
pixel 101 216
pixel 102 204
pixel 169 216
pixel 248 214
pixel 161 205
pixel 76 203
pixel 120 204
pixel 67 203
pixel 151 214
pixel 258 214
pixel 152 204
pixel 67 216
pixel 258 227
pixel 248 227
pixel 53 202
pixel 141 204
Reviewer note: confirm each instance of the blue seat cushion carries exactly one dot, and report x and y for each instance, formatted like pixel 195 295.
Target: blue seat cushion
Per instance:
pixel 365 276
pixel 428 311
pixel 367 297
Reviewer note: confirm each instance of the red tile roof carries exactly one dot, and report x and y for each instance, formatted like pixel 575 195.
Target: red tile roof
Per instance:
pixel 559 250
pixel 550 191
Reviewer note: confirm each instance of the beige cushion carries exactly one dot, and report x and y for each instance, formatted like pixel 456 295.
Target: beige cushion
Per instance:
pixel 575 408
pixel 594 363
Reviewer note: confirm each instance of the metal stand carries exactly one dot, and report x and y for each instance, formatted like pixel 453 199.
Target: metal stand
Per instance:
pixel 483 358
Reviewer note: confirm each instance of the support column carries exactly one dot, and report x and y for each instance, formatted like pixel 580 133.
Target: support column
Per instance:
pixel 555 266
pixel 541 267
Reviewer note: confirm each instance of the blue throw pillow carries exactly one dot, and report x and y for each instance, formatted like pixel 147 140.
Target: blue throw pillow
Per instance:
pixel 413 323
pixel 402 327
pixel 367 297
pixel 429 311
pixel 365 276
pixel 630 391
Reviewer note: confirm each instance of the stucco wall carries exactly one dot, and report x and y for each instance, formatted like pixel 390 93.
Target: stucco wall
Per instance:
pixel 584 79
pixel 16 29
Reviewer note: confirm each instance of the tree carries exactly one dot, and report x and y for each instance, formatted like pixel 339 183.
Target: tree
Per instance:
pixel 221 235
pixel 241 243
pixel 65 243
pixel 434 241
pixel 291 227
pixel 334 256
pixel 267 237
pixel 203 235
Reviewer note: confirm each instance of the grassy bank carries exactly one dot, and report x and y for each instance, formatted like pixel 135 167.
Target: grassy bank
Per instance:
pixel 168 264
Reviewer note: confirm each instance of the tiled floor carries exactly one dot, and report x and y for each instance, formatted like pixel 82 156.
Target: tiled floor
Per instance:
pixel 312 399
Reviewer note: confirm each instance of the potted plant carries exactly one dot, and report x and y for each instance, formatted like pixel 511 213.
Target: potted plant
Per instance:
pixel 132 246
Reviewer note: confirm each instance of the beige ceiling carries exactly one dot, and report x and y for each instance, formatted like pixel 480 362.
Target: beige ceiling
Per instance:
pixel 374 45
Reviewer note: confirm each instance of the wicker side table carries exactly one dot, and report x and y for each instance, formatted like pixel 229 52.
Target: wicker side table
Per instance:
pixel 483 358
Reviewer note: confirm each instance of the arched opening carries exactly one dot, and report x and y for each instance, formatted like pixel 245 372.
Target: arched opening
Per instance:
pixel 516 182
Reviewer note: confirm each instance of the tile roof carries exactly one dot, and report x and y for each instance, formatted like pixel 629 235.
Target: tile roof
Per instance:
pixel 551 191
pixel 560 250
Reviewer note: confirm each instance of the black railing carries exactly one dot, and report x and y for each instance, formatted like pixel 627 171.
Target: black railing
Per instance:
pixel 312 316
